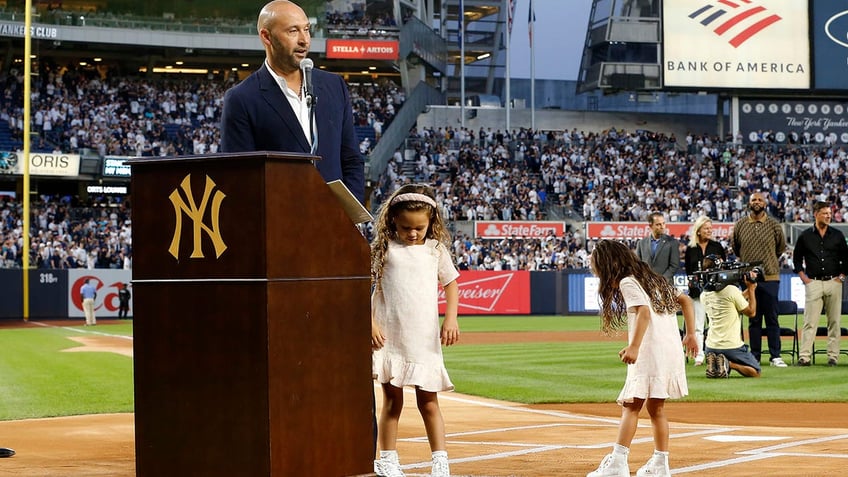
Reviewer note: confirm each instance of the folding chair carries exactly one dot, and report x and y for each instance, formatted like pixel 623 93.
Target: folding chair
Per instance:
pixel 822 331
pixel 789 307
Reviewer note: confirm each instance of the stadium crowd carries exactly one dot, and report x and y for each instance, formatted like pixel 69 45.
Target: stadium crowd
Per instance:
pixel 76 109
pixel 612 175
pixel 482 174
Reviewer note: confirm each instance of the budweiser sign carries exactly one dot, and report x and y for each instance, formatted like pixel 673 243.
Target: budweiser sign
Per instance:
pixel 492 293
pixel 637 230
pixel 363 49
pixel 488 229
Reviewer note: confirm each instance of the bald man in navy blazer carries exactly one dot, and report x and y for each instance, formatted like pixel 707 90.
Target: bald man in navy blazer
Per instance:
pixel 269 110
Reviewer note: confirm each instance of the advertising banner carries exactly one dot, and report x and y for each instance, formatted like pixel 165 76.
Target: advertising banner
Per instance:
pixel 496 229
pixel 722 44
pixel 492 293
pixel 363 49
pixel 41 164
pixel 106 281
pixel 830 44
pixel 637 230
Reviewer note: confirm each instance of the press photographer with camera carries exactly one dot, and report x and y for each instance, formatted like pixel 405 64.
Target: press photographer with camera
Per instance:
pixel 701 244
pixel 723 302
pixel 759 238
pixel 821 261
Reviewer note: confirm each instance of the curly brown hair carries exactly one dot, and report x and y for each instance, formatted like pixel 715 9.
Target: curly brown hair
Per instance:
pixel 385 230
pixel 611 262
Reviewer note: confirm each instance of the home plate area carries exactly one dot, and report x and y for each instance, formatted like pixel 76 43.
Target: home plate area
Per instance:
pixel 494 438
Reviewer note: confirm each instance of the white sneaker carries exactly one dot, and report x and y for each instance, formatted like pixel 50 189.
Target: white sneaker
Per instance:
pixel 612 466
pixel 386 468
pixel 654 468
pixel 440 467
pixel 779 363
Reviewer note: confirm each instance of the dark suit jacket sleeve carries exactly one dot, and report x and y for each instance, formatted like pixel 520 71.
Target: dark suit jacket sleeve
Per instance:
pixel 673 258
pixel 639 246
pixel 236 132
pixel 353 165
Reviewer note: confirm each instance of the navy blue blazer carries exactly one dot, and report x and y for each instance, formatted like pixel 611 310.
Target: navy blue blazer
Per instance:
pixel 257 116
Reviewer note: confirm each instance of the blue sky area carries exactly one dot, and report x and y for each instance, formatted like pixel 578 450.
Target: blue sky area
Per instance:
pixel 559 36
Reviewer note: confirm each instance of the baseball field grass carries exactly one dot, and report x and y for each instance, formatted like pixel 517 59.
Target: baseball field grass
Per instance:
pixel 570 371
pixel 39 378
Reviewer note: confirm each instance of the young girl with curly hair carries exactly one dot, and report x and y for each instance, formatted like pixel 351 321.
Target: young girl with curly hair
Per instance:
pixel 410 258
pixel 632 294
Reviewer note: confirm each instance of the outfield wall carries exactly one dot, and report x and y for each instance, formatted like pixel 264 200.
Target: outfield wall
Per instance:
pixel 571 292
pixel 55 293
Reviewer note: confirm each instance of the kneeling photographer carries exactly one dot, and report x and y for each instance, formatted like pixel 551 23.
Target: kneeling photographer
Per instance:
pixel 723 302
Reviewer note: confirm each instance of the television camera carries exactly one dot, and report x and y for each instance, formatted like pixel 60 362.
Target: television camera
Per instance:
pixel 719 273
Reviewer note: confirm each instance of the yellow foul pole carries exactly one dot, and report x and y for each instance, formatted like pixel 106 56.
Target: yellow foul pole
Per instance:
pixel 25 159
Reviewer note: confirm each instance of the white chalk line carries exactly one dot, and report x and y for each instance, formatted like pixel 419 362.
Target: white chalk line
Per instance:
pixel 527 448
pixel 87 330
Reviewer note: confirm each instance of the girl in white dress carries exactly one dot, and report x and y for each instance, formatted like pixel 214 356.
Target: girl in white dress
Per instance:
pixel 654 356
pixel 410 258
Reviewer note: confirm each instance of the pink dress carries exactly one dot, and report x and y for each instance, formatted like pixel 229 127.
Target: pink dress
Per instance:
pixel 405 307
pixel 659 371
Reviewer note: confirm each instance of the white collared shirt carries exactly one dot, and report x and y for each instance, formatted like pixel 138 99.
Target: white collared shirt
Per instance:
pixel 298 105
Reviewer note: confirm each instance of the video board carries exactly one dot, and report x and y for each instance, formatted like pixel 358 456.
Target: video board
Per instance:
pixel 830 44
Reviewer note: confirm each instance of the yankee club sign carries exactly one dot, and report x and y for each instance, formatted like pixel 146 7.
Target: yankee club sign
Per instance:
pixel 362 49
pixel 637 230
pixel 495 229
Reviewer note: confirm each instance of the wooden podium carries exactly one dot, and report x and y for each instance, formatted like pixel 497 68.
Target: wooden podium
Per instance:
pixel 252 320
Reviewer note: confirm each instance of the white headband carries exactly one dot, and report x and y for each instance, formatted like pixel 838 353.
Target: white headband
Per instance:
pixel 414 197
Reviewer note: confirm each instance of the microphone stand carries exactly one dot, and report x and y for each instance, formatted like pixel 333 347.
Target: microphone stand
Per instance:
pixel 311 102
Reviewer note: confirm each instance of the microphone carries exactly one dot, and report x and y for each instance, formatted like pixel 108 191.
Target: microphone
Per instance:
pixel 306 65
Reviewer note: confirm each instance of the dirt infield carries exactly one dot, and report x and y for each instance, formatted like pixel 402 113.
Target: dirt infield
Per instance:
pixel 495 438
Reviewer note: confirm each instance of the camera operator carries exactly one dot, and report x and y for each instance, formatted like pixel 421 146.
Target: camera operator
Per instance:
pixel 821 258
pixel 725 349
pixel 759 238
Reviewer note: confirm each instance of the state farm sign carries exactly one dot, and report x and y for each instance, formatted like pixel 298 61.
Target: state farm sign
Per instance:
pixel 363 49
pixel 637 230
pixel 492 293
pixel 488 229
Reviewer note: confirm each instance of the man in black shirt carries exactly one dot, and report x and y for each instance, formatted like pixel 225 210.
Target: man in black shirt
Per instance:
pixel 821 258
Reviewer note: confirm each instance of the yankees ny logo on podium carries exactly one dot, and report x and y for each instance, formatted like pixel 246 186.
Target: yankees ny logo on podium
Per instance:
pixel 196 213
